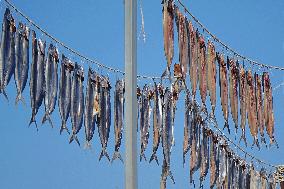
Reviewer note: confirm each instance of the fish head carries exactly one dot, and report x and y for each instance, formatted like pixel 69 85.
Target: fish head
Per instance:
pixel 26 32
pixel 21 28
pixel 12 25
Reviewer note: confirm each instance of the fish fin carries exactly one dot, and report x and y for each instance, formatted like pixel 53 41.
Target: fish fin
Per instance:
pixel 74 137
pixel 64 127
pixel 154 157
pixel 20 97
pixel 227 126
pixel 33 120
pixel 47 117
pixel 117 155
pixel 104 153
pixel 243 136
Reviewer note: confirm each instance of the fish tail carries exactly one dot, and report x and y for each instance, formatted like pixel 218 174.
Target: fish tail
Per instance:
pixel 166 73
pixel 154 157
pixel 262 139
pixel 74 137
pixel 104 153
pixel 116 155
pixel 87 145
pixel 33 120
pixel 255 142
pixel 5 94
pixel 243 136
pixel 47 117
pixel 64 127
pixel 227 126
pixel 19 98
pixel 142 155
pixel 272 141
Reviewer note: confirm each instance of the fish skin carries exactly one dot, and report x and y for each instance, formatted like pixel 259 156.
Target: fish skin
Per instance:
pixel 4 49
pixel 211 74
pixel 268 108
pixel 50 83
pixel 222 166
pixel 167 136
pixel 233 93
pixel 21 60
pixel 89 111
pixel 168 33
pixel 118 117
pixel 77 102
pixel 104 122
pixel 259 107
pixel 145 112
pixel 202 68
pixel 204 156
pixel 187 123
pixel 223 82
pixel 263 179
pixel 64 96
pixel 157 122
pixel 243 102
pixel 251 108
pixel 213 161
pixel 193 73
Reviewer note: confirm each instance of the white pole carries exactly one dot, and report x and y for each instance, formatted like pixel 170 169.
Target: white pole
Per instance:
pixel 130 94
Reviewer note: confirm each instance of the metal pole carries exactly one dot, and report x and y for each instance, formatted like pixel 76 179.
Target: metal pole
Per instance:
pixel 130 23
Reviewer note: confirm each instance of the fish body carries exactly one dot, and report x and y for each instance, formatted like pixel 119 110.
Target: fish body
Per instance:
pixel 223 82
pixel 193 59
pixel 204 155
pixel 234 78
pixel 263 178
pixel 187 122
pixel 77 102
pixel 213 161
pixel 21 60
pixel 202 68
pixel 104 121
pixel 118 117
pixel 243 101
pixel 64 96
pixel 157 122
pixel 50 83
pixel 251 108
pixel 211 74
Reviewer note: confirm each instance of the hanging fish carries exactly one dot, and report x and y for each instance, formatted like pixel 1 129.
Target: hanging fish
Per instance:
pixel 234 78
pixel 145 115
pixel 213 160
pixel 64 97
pixel 251 108
pixel 50 83
pixel 259 107
pixel 268 108
pixel 272 182
pixel 167 137
pixel 91 106
pixel 242 175
pixel 21 60
pixel 4 49
pixel 37 76
pixel 223 166
pixel 243 102
pixel 168 31
pixel 187 122
pixel 104 120
pixel 118 117
pixel 202 68
pixel 223 83
pixel 263 179
pixel 138 105
pixel 254 178
pixel 77 102
pixel 157 122
pixel 193 59
pixel 204 155
pixel 211 74
pixel 8 54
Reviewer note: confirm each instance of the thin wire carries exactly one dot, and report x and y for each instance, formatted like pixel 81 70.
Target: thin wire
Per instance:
pixel 253 62
pixel 70 49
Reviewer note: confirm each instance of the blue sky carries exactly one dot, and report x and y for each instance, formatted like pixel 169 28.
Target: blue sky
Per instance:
pixel 44 159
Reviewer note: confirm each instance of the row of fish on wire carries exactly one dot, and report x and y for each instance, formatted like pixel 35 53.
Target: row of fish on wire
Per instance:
pixel 46 86
pixel 248 94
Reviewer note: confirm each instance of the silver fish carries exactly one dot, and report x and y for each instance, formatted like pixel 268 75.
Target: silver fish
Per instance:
pixel 64 97
pixel 118 117
pixel 105 116
pixel 37 76
pixel 204 156
pixel 213 160
pixel 50 83
pixel 21 61
pixel 187 124
pixel 77 102
pixel 145 113
pixel 90 112
pixel 157 122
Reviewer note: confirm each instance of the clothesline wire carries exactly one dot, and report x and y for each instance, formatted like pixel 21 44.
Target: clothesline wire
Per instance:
pixel 253 62
pixel 69 48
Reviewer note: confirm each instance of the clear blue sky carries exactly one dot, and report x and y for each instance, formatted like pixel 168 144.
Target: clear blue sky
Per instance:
pixel 44 159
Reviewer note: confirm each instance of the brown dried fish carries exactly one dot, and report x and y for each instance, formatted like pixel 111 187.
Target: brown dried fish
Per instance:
pixel 202 69
pixel 213 160
pixel 243 102
pixel 193 61
pixel 223 82
pixel 187 122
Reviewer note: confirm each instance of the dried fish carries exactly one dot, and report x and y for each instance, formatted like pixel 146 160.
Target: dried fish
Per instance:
pixel 243 102
pixel 64 97
pixel 251 108
pixel 223 82
pixel 168 30
pixel 272 182
pixel 77 102
pixel 50 83
pixel 193 59
pixel 187 122
pixel 263 179
pixel 118 117
pixel 211 74
pixel 234 77
pixel 157 122
pixel 202 68
pixel 21 60
pixel 204 155
pixel 223 164
pixel 213 161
